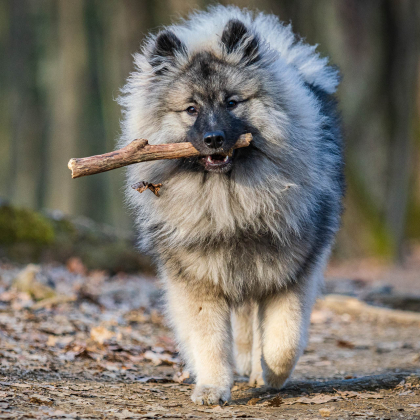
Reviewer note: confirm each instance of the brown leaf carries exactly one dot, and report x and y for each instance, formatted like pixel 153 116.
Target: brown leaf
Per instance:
pixel 370 396
pixel 75 265
pixel 53 341
pixel 101 334
pixel 318 399
pixel 345 344
pixel 277 401
pixel 252 401
pixel 348 394
pixel 21 385
pixel 325 412
pixel 40 399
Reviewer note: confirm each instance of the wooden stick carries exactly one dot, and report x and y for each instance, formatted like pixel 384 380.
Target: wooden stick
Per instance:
pixel 138 151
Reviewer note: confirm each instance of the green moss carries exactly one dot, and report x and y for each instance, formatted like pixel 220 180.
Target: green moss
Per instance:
pixel 27 236
pixel 24 226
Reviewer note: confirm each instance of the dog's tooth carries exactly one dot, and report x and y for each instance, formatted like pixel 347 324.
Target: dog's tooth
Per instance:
pixel 226 158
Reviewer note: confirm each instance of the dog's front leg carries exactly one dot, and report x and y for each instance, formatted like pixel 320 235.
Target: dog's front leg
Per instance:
pixel 202 326
pixel 284 321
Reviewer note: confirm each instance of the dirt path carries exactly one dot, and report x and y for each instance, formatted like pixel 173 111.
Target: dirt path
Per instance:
pixel 96 347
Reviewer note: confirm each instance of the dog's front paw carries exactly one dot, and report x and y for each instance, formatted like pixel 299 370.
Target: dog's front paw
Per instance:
pixel 210 394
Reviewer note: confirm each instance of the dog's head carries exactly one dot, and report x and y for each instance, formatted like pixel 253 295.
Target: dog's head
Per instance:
pixel 207 96
pixel 224 73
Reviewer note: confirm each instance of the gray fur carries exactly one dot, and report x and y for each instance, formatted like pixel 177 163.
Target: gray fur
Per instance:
pixel 260 229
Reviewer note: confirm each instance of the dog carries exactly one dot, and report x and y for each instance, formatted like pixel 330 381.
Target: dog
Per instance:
pixel 240 240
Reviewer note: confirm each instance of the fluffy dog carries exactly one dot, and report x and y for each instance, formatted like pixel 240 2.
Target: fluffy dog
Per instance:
pixel 239 239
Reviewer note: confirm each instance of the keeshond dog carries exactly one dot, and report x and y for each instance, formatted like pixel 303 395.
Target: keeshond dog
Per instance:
pixel 240 240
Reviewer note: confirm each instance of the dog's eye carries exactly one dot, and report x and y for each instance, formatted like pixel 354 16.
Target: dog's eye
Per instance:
pixel 231 104
pixel 192 110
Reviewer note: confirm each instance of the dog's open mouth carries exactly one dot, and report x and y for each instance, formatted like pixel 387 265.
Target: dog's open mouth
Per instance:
pixel 217 162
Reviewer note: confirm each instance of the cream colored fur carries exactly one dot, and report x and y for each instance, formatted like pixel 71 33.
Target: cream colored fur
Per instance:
pixel 269 335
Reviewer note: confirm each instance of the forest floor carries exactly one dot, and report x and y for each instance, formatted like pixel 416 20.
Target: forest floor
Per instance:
pixel 89 346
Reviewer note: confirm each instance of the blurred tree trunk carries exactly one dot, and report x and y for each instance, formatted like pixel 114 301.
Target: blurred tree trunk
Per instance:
pixel 66 97
pixel 123 24
pixel 5 117
pixel 401 30
pixel 24 105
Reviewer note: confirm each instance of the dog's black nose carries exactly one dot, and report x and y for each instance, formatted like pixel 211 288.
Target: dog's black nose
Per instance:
pixel 214 139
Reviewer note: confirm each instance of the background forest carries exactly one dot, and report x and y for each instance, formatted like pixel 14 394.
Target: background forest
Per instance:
pixel 63 62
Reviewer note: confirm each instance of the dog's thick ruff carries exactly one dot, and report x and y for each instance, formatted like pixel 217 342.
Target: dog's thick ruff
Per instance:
pixel 240 241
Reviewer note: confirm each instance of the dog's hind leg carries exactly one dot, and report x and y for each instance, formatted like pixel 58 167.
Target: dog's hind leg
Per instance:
pixel 284 319
pixel 203 329
pixel 247 337
pixel 256 377
pixel 242 318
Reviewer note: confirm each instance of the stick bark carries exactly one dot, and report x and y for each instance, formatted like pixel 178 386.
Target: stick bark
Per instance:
pixel 138 151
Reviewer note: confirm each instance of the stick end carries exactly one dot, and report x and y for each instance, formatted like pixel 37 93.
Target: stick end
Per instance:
pixel 71 165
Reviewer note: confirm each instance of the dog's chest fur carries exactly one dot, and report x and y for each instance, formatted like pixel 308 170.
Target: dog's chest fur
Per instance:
pixel 220 233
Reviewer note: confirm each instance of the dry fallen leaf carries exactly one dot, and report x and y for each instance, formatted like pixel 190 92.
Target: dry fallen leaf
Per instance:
pixel 40 399
pixel 180 377
pixel 160 358
pixel 318 399
pixel 54 340
pixel 101 334
pixel 277 401
pixel 325 412
pixel 252 401
pixel 348 394
pixel 345 344
pixel 75 265
pixel 26 282
pixel 367 396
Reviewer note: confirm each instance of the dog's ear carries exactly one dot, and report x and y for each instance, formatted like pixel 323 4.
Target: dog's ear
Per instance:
pixel 236 36
pixel 167 45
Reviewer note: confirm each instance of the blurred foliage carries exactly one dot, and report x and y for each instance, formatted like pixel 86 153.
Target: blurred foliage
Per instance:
pixel 62 64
